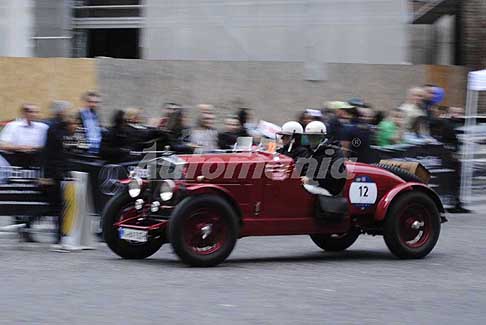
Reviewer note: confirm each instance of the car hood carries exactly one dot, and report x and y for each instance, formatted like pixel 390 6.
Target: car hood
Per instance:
pixel 228 166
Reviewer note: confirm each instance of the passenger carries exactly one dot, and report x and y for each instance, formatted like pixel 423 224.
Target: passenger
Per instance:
pixel 291 136
pixel 327 175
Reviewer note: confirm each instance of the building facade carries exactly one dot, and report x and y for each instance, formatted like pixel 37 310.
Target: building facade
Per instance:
pixel 310 31
pixel 364 31
pixel 16 28
pixel 448 32
pixel 357 31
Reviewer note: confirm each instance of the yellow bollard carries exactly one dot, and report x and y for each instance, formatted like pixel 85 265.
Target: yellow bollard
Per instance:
pixel 70 208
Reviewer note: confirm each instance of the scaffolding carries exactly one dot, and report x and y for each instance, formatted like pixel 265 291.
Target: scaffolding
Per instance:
pixel 472 177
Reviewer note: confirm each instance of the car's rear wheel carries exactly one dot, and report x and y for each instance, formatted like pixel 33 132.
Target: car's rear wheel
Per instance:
pixel 122 207
pixel 203 230
pixel 336 242
pixel 412 225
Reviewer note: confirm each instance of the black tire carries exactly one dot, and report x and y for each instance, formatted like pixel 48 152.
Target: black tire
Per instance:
pixel 337 242
pixel 203 207
pixel 402 173
pixel 121 247
pixel 399 233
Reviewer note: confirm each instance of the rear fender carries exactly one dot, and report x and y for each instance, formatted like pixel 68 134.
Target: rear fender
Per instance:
pixel 386 201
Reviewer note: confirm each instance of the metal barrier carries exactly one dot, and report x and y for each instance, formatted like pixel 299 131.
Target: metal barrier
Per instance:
pixel 474 182
pixel 19 173
pixel 32 223
pixel 20 193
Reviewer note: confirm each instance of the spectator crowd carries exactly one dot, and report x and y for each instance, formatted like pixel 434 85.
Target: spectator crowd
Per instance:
pixel 352 124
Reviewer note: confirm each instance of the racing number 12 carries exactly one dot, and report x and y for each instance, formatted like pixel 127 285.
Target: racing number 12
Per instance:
pixel 363 191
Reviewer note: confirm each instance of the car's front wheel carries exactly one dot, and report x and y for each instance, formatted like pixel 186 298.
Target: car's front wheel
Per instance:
pixel 336 242
pixel 122 207
pixel 412 225
pixel 203 230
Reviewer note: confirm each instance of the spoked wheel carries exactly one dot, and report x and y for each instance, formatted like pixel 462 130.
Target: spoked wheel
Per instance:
pixel 336 242
pixel 119 208
pixel 412 226
pixel 203 230
pixel 415 223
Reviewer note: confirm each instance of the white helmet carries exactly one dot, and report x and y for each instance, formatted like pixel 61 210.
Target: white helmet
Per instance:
pixel 316 127
pixel 291 128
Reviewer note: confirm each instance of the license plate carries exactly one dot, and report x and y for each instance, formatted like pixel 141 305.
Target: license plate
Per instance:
pixel 133 234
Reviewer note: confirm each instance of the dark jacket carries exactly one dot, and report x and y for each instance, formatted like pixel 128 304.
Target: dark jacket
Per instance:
pixel 298 151
pixel 227 140
pixel 55 153
pixel 179 141
pixel 113 146
pixel 140 137
pixel 118 142
pixel 443 131
pixel 334 128
pixel 359 135
pixel 332 178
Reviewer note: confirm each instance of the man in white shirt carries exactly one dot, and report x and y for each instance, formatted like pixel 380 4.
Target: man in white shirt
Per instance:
pixel 21 140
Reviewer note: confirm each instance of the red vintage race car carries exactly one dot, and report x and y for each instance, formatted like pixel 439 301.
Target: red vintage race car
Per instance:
pixel 202 204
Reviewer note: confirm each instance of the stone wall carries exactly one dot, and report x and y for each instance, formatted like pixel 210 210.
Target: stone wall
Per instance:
pixel 277 91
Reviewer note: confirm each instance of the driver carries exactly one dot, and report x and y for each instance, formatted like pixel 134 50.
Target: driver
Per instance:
pixel 327 173
pixel 291 136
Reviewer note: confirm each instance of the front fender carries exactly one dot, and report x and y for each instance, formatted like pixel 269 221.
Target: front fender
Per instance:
pixel 387 199
pixel 198 189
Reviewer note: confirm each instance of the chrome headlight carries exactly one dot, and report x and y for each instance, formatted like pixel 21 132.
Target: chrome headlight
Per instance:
pixel 135 187
pixel 167 190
